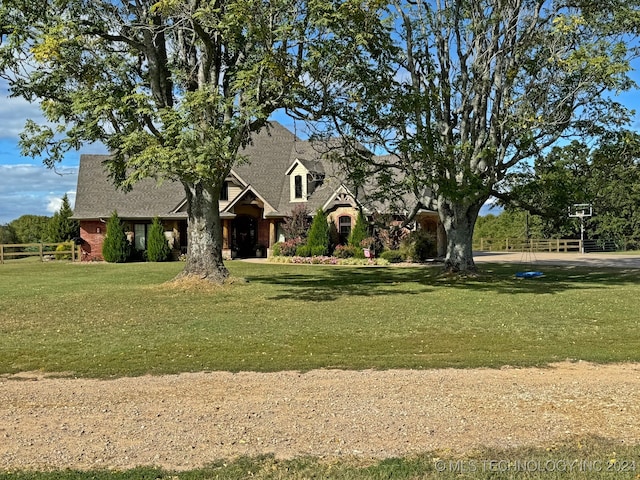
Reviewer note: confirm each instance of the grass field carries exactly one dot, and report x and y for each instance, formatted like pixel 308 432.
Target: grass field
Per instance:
pixel 103 320
pixel 594 460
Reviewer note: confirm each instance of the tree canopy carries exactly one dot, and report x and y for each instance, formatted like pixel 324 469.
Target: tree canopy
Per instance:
pixel 458 92
pixel 604 174
pixel 174 89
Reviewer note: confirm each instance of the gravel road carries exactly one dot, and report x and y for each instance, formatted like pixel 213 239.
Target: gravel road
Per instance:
pixel 186 421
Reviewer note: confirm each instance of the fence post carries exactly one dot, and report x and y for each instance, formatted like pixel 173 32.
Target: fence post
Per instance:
pixel 41 252
pixel 1 254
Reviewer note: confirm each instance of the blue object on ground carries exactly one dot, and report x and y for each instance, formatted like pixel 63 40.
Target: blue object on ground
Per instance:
pixel 529 274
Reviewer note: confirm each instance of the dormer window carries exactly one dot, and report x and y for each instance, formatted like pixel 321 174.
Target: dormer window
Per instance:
pixel 298 187
pixel 224 192
pixel 304 178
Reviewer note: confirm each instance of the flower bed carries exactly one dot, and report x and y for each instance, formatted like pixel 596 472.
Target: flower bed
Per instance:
pixel 323 260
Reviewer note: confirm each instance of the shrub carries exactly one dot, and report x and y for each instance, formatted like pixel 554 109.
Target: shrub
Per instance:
pixel 318 239
pixel 158 249
pixel 61 248
pixel 393 256
pixel 115 248
pixel 276 251
pixel 359 232
pixel 289 247
pixel 318 251
pixel 303 251
pixel 419 246
pixel 61 228
pixel 344 251
pixel 334 237
pixel 297 225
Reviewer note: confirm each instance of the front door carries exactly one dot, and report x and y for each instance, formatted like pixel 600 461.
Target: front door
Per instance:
pixel 245 233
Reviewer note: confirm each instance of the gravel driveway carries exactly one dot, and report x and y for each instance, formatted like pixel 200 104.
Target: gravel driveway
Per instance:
pixel 189 420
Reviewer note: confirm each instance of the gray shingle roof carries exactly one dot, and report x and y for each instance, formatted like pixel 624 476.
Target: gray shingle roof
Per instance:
pixel 270 155
pixel 96 197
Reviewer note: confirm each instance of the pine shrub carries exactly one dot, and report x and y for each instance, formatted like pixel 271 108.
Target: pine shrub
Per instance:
pixel 115 248
pixel 61 227
pixel 318 239
pixel 359 232
pixel 158 249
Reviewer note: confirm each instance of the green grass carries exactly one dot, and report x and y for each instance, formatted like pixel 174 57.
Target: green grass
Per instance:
pixel 593 459
pixel 99 320
pixel 102 320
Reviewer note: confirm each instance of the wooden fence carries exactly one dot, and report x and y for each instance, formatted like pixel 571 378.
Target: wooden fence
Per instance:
pixel 43 250
pixel 533 244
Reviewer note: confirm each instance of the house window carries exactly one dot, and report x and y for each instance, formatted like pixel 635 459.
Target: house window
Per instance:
pixel 224 193
pixel 344 228
pixel 140 236
pixel 298 186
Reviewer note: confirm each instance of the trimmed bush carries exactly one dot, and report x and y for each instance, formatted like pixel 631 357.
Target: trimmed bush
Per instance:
pixel 303 251
pixel 158 249
pixel 276 251
pixel 359 232
pixel 393 256
pixel 334 237
pixel 344 251
pixel 318 239
pixel 116 247
pixel 318 251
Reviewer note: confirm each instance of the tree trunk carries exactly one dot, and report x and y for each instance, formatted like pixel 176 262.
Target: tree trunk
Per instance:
pixel 204 234
pixel 459 220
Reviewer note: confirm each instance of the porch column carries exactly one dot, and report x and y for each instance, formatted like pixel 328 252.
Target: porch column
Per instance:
pixel 272 233
pixel 225 234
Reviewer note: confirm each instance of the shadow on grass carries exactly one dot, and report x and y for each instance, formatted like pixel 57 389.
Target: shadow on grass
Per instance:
pixel 321 284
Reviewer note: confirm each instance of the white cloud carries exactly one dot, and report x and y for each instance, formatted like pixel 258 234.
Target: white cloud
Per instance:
pixel 14 113
pixel 34 190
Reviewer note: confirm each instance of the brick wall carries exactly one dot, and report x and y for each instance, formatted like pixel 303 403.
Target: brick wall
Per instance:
pixel 92 234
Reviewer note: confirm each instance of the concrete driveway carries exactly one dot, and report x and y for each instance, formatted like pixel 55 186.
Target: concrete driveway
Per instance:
pixel 617 260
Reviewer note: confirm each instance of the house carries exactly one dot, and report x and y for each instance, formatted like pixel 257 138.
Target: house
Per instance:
pixel 282 172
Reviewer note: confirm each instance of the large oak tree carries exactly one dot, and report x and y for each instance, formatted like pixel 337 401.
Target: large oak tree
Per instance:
pixel 461 91
pixel 174 88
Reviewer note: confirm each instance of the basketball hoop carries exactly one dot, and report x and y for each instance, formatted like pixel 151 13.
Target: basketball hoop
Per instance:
pixel 581 211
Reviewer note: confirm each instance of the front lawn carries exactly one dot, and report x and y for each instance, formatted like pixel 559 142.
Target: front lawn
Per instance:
pixel 102 320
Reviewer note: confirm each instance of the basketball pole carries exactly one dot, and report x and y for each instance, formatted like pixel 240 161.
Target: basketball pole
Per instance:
pixel 582 234
pixel 581 210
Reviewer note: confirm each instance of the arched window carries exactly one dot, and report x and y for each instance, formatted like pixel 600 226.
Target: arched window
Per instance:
pixel 344 228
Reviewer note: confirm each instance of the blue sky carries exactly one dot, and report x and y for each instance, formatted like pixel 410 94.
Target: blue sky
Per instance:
pixel 28 187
